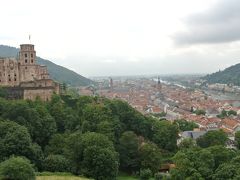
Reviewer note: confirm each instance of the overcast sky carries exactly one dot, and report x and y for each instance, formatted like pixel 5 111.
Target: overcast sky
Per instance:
pixel 127 37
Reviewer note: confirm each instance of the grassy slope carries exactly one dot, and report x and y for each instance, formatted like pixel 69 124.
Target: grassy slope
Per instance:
pixel 60 178
pixel 69 176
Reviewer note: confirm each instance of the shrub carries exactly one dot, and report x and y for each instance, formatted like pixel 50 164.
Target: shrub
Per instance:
pixel 17 168
pixel 145 174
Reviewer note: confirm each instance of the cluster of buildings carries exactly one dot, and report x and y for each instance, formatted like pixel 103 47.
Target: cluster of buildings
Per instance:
pixel 152 96
pixel 23 78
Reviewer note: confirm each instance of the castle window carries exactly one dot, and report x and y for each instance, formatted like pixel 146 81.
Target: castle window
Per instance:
pixel 9 79
pixel 31 55
pixel 15 79
pixel 25 54
pixel 31 60
pixel 26 67
pixel 25 60
pixel 15 75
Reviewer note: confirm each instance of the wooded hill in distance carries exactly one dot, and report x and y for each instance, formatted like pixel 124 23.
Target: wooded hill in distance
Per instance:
pixel 58 73
pixel 230 75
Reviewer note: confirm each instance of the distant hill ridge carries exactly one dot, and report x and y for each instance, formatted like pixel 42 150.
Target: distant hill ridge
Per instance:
pixel 57 72
pixel 230 75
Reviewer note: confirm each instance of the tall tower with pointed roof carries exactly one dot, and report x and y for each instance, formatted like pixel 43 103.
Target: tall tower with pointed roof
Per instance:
pixel 159 85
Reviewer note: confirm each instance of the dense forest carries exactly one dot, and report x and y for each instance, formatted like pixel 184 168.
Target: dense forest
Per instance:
pixel 230 75
pixel 58 73
pixel 98 138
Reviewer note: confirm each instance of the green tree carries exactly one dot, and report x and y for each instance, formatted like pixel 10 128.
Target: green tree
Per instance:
pixel 187 143
pixel 212 138
pixel 225 114
pixel 130 119
pixel 34 117
pixel 193 163
pixel 200 112
pixel 165 135
pixel 225 171
pixel 57 111
pixel 95 114
pixel 184 166
pixel 232 112
pixel 92 154
pixel 96 139
pixel 17 168
pixel 106 128
pixel 56 163
pixel 128 151
pixel 221 155
pixel 56 144
pixel 36 156
pixel 237 139
pixel 100 164
pixel 14 140
pixel 185 125
pixel 204 163
pixel 150 157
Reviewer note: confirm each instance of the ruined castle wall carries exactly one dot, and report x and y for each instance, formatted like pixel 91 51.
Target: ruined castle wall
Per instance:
pixel 43 72
pixel 39 83
pixel 24 78
pixel 44 93
pixel 9 74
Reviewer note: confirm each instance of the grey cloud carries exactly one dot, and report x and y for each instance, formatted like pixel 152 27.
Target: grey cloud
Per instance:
pixel 218 24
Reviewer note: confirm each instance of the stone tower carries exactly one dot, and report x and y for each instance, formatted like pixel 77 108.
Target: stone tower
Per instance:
pixel 27 54
pixel 27 63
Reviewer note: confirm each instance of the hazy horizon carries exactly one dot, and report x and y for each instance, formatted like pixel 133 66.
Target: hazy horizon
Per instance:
pixel 124 38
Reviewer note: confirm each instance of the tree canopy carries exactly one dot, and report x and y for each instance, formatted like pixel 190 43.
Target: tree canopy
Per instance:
pixel 97 137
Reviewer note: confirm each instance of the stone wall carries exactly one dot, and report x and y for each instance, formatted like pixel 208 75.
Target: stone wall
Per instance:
pixel 43 93
pixel 9 74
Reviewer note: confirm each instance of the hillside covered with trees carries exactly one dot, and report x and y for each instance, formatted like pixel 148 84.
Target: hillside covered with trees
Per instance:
pixel 98 138
pixel 58 73
pixel 230 75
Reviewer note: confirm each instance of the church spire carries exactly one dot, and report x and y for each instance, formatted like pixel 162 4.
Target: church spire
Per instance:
pixel 159 85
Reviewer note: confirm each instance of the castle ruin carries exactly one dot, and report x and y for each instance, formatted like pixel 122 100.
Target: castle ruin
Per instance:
pixel 24 79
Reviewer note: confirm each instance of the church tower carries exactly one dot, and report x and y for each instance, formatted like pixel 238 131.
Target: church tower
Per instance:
pixel 111 84
pixel 159 85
